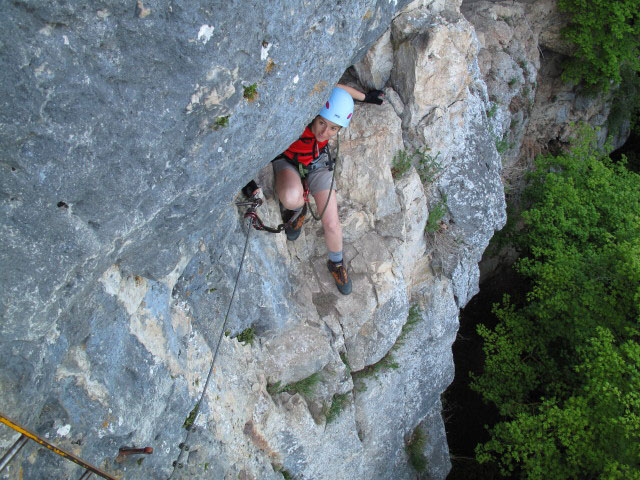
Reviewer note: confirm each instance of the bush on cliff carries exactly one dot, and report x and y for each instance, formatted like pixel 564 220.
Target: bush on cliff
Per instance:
pixel 563 367
pixel 606 37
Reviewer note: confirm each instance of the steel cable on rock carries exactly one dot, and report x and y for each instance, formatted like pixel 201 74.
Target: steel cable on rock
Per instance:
pixel 184 446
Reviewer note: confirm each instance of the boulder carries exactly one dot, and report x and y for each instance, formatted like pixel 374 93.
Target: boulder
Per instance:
pixel 374 69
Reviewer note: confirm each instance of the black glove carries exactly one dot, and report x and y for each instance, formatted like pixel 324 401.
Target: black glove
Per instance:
pixel 374 96
pixel 250 189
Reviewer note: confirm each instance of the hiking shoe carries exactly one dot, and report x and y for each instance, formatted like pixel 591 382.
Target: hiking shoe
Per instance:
pixel 339 272
pixel 293 231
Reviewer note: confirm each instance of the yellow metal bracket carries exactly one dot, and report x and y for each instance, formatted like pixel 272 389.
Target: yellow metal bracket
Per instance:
pixel 69 456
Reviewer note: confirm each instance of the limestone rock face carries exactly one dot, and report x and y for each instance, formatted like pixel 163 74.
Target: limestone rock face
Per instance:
pixel 531 109
pixel 431 62
pixel 374 69
pixel 510 61
pixel 445 98
pixel 372 139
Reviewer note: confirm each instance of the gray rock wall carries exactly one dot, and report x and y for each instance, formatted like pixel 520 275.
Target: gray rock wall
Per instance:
pixel 113 174
pixel 110 153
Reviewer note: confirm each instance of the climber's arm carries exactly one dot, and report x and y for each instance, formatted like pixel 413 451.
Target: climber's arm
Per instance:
pixel 356 94
pixel 372 96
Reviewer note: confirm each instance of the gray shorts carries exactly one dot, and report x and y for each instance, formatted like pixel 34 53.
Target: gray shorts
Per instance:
pixel 318 180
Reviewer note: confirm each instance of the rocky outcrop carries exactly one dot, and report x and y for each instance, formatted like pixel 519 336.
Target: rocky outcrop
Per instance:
pixel 532 111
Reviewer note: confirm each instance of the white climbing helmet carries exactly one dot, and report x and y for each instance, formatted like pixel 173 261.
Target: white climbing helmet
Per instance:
pixel 339 107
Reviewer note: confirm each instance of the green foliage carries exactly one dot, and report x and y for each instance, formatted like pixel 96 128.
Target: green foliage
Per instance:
pixel 492 111
pixel 427 166
pixel 415 450
pixel 563 366
pixel 400 164
pixel 505 348
pixel 581 234
pixel 345 360
pixel 338 404
pixel 606 37
pixel 593 431
pixel 247 336
pixel 275 388
pixel 359 385
pixel 436 213
pixel 305 387
pixel 522 63
pixel 250 92
pixel 388 362
pixel 221 122
pixel 413 318
pixel 191 417
pixel 283 471
pixel 502 145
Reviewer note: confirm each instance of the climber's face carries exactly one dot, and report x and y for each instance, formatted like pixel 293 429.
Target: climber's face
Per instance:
pixel 323 129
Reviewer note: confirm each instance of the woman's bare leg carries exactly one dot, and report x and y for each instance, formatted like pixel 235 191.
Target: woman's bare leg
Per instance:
pixel 330 219
pixel 289 189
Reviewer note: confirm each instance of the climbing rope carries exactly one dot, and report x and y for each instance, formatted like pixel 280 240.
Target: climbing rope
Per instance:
pixel 333 177
pixel 253 221
pixel 184 447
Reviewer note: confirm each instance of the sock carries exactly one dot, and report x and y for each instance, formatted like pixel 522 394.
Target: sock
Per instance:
pixel 335 257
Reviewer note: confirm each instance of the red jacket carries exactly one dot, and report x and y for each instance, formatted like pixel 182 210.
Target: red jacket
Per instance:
pixel 306 149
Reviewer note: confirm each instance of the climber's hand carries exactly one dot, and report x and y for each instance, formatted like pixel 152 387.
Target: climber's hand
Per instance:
pixel 374 96
pixel 251 189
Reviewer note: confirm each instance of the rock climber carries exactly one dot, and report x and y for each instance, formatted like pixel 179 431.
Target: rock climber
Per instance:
pixel 309 156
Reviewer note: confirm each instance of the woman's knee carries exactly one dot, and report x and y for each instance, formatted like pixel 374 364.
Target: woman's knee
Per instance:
pixel 332 225
pixel 291 197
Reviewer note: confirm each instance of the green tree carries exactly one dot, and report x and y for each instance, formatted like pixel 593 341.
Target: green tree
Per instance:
pixel 606 37
pixel 593 432
pixel 563 366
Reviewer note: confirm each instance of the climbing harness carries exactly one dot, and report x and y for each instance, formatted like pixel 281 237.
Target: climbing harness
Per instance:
pixel 254 202
pixel 26 435
pixel 332 168
pixel 184 446
pixel 306 149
